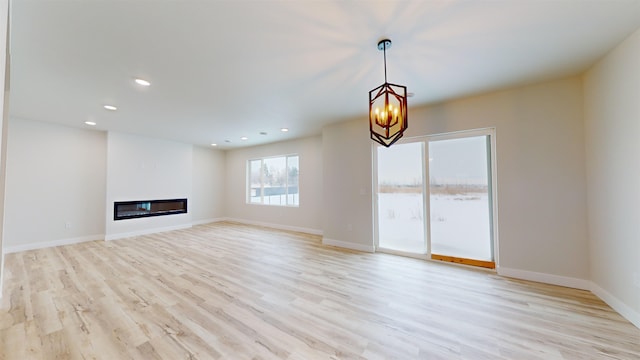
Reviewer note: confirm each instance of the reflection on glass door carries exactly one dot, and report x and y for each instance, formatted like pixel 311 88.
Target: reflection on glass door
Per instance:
pixel 460 200
pixel 401 198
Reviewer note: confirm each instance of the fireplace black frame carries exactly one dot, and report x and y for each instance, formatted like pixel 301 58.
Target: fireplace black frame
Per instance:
pixel 123 210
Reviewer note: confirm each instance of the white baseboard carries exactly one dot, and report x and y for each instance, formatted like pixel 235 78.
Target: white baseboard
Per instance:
pixel 617 305
pixel 145 232
pixel 1 273
pixel 208 221
pixel 69 241
pixel 545 278
pixel 348 245
pixel 46 244
pixel 623 309
pixel 276 226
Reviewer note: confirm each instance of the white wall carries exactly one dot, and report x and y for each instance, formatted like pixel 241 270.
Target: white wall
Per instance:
pixel 58 175
pixel 55 175
pixel 347 183
pixel 541 185
pixel 306 217
pixel 612 122
pixel 207 201
pixel 4 121
pixel 142 168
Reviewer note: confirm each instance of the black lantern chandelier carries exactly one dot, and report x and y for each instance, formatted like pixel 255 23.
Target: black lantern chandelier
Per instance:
pixel 387 107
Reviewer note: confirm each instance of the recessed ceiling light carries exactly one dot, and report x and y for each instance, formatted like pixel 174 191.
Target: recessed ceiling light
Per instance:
pixel 110 107
pixel 142 82
pixel 214 144
pixel 244 138
pixel 284 129
pixel 91 123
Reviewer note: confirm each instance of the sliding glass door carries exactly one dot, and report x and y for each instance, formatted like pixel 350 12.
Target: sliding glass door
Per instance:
pixel 401 225
pixel 450 216
pixel 459 199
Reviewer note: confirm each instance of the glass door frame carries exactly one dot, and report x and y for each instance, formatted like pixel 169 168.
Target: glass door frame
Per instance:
pixel 425 139
pixel 426 255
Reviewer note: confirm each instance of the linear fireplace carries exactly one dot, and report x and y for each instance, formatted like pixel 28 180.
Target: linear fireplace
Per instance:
pixel 145 208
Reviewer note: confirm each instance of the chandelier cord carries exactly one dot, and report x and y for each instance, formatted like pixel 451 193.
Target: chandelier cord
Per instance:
pixel 384 47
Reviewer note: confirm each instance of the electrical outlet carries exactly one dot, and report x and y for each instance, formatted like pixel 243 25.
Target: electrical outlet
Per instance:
pixel 67 225
pixel 349 227
pixel 636 279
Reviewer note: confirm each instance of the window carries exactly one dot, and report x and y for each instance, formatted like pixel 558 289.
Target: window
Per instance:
pixel 274 181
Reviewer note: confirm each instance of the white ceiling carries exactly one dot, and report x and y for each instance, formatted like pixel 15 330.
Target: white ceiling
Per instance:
pixel 226 69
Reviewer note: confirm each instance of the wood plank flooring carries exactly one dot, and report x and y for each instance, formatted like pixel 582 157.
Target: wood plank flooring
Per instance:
pixel 230 291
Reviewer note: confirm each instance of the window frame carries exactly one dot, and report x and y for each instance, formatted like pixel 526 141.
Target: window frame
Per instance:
pixel 249 188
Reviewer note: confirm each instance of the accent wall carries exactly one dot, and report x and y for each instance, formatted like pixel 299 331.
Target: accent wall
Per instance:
pixel 142 168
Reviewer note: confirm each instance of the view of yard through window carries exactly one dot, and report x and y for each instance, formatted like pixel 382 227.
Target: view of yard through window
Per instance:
pixel 274 181
pixel 459 206
pixel 401 222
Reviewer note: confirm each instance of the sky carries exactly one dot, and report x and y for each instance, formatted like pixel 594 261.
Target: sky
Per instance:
pixel 461 160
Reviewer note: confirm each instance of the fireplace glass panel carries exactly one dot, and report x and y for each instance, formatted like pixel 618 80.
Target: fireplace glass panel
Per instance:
pixel 144 208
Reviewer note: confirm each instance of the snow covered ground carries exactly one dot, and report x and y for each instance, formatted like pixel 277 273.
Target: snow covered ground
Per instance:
pixel 460 224
pixel 277 199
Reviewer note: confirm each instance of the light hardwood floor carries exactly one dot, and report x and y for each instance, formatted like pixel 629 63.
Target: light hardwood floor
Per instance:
pixel 239 292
